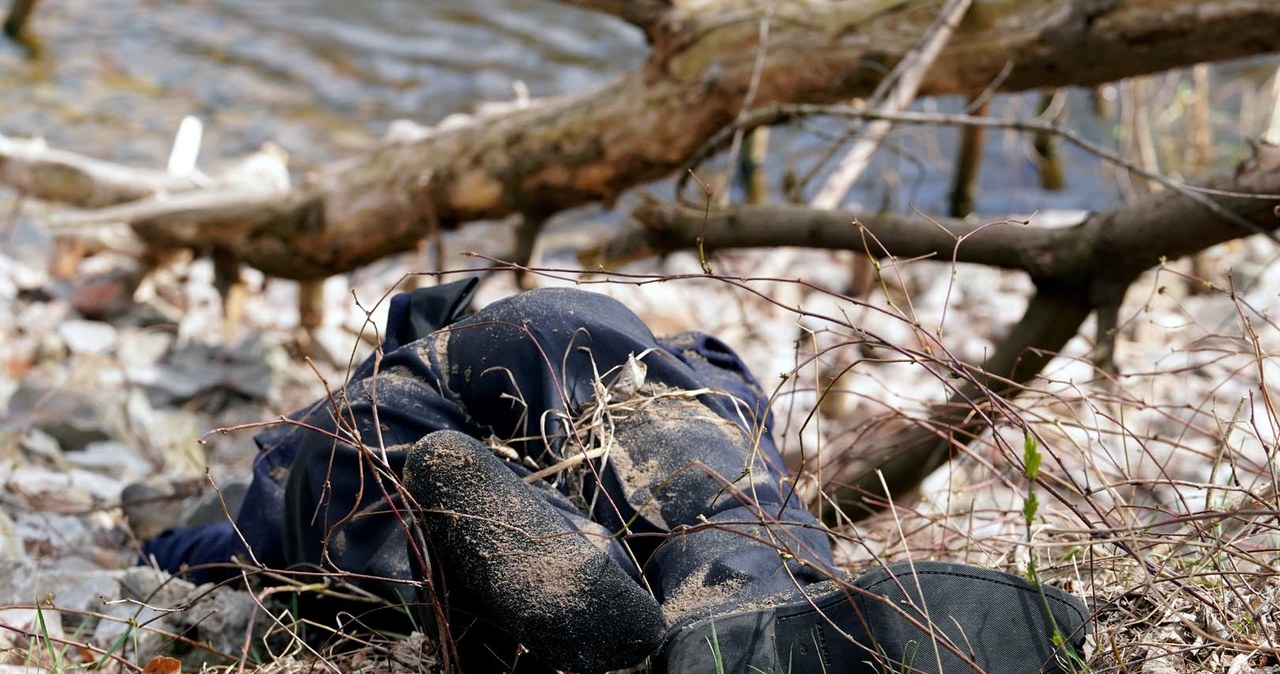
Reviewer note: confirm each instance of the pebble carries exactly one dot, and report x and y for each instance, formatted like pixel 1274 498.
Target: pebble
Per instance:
pixel 146 595
pixel 104 296
pixel 27 585
pixel 20 275
pixel 217 617
pixel 12 552
pixel 88 337
pixel 20 621
pixel 142 347
pixel 42 318
pixel 63 487
pixel 111 459
pixel 69 415
pixel 40 444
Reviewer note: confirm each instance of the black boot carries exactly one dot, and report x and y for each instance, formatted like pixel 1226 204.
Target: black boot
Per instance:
pixel 933 617
pixel 745 574
pixel 547 584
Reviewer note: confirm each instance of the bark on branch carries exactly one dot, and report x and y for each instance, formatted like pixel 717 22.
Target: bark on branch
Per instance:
pixel 644 14
pixel 54 175
pixel 564 152
pixel 1106 248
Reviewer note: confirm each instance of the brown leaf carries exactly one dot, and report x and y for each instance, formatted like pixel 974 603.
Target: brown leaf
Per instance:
pixel 162 665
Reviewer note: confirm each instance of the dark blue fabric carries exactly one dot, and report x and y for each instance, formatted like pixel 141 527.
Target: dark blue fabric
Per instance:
pixel 193 546
pixel 416 314
pixel 323 492
pixel 261 519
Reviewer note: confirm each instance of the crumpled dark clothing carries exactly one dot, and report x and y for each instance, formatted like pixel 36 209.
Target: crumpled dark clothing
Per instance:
pixel 324 493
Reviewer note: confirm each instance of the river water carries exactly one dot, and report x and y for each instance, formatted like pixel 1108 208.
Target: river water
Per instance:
pixel 323 78
pixel 320 77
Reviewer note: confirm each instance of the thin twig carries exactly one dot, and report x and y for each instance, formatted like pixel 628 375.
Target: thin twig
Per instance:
pixel 757 68
pixel 785 113
pixel 910 71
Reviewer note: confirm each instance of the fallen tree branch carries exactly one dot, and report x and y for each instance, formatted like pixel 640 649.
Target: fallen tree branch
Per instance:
pixel 243 203
pixel 906 457
pixel 664 227
pixel 564 152
pixel 1114 244
pixel 1076 269
pixel 34 168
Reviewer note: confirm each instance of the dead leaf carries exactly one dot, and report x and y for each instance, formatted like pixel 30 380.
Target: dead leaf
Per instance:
pixel 162 665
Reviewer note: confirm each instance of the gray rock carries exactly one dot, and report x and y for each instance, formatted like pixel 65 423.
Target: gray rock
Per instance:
pixel 88 337
pixel 114 460
pixel 214 616
pixel 146 599
pixel 211 373
pixel 12 552
pixel 172 435
pixel 66 486
pixel 140 348
pixel 56 533
pixel 221 618
pixel 82 590
pixel 215 506
pixel 70 415
pixel 25 583
pixel 38 443
pixel 144 584
pixel 17 620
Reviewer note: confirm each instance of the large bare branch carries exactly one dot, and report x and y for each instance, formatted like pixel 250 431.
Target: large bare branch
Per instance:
pixel 1077 270
pixel 902 460
pixel 1109 247
pixel 572 150
pixel 36 169
pixel 664 227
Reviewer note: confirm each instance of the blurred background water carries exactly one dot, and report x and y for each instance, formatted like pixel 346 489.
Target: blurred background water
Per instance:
pixel 320 77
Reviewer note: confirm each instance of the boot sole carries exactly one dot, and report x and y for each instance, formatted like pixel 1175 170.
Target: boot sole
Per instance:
pixel 996 621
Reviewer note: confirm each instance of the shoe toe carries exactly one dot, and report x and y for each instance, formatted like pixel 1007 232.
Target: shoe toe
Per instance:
pixel 548 585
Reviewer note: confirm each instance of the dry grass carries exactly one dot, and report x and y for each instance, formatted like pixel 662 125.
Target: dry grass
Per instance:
pixel 1157 493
